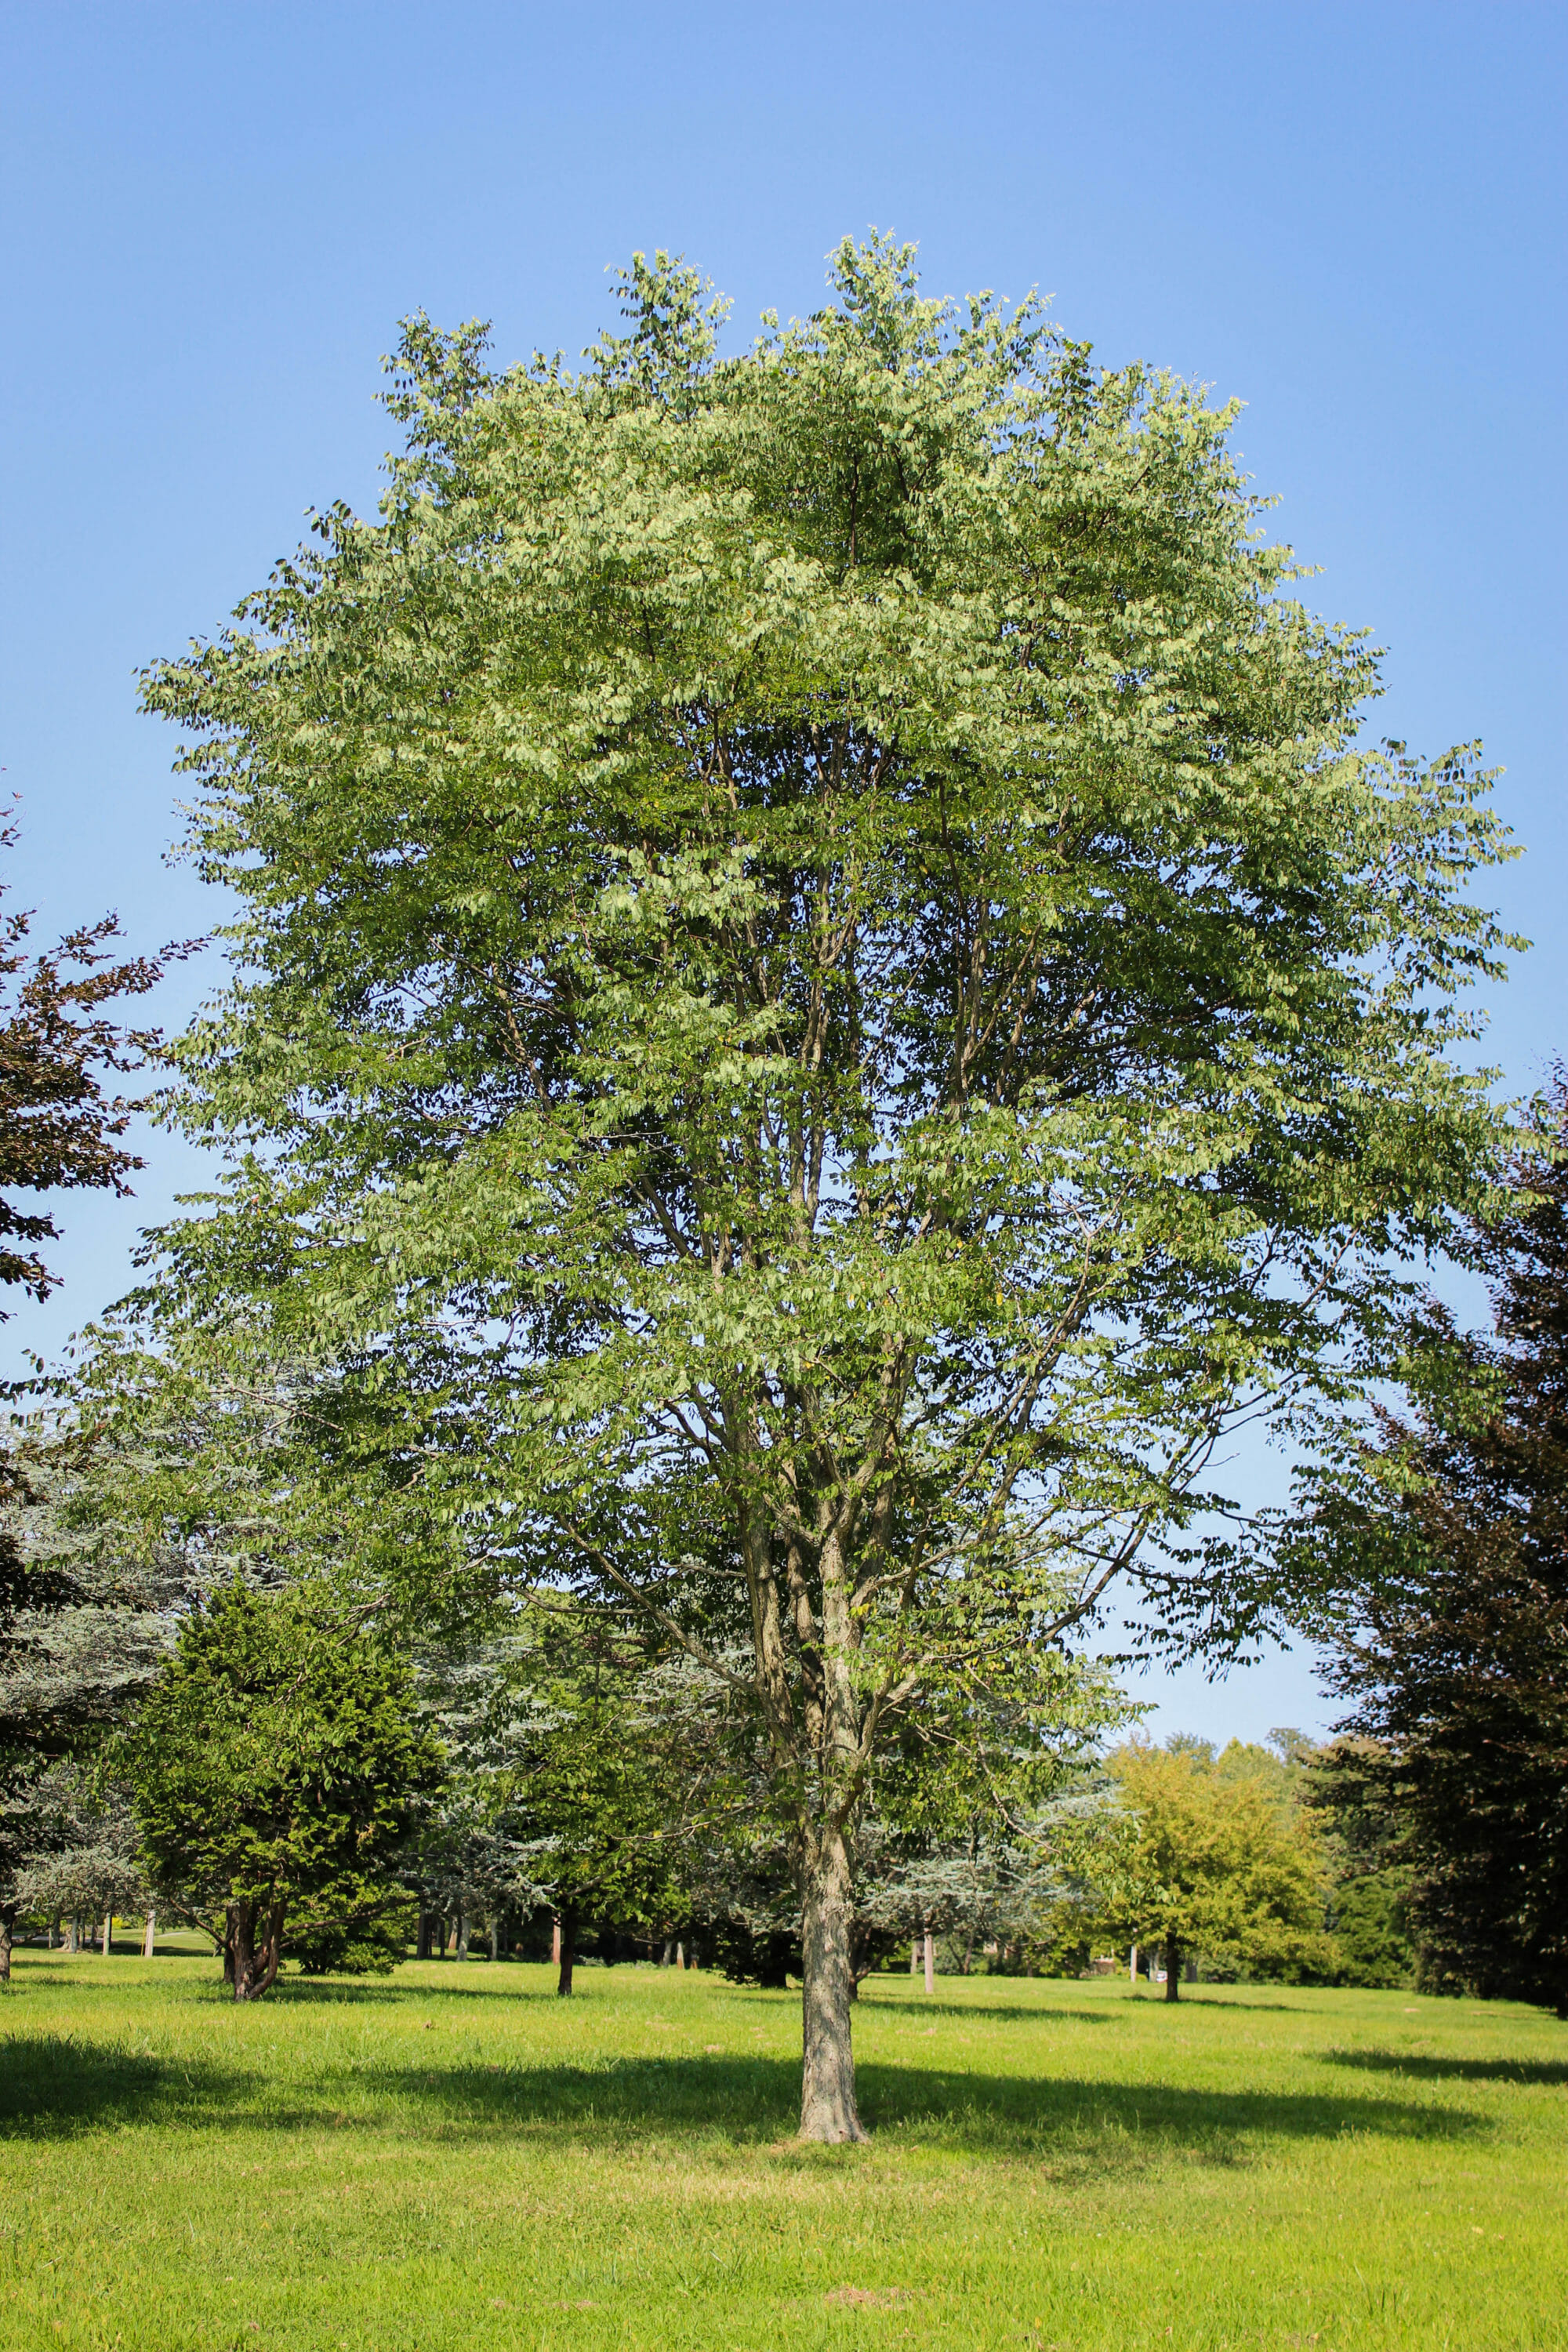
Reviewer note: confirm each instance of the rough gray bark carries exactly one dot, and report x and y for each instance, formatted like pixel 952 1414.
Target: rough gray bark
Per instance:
pixel 8 1921
pixel 827 2109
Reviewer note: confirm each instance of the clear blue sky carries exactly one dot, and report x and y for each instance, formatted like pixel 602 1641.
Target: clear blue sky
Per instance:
pixel 1351 217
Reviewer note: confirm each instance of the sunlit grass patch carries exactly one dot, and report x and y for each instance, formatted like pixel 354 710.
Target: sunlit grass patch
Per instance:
pixel 454 2155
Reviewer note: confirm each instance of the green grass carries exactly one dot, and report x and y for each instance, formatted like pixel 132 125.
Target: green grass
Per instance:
pixel 453 2158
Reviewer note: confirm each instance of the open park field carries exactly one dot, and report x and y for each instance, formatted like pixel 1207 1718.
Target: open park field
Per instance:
pixel 453 2158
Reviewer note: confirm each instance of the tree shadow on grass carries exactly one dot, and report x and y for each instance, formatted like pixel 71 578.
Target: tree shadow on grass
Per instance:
pixel 981 2012
pixel 1551 2071
pixel 55 2087
pixel 1066 2122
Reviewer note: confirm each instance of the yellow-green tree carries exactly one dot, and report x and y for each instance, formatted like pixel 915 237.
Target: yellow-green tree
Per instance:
pixel 1204 1860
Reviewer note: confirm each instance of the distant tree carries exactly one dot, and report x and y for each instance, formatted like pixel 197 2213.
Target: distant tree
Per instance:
pixel 86 1632
pixel 276 1764
pixel 476 1852
pixel 1206 1863
pixel 86 1861
pixel 604 1802
pixel 1454 1529
pixel 1350 1792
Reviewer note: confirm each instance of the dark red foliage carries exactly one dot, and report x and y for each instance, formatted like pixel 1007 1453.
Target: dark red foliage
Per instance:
pixel 58 1128
pixel 1460 1669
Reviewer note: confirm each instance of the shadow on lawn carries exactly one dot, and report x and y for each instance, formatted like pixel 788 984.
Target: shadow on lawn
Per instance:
pixel 980 2013
pixel 53 2085
pixel 1452 2070
pixel 757 2099
pixel 57 2087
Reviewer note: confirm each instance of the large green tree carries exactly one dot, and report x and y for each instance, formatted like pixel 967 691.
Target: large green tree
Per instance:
pixel 814 937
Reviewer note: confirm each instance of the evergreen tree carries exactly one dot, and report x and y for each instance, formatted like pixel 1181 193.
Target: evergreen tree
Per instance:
pixel 1455 1529
pixel 276 1763
pixel 1348 1790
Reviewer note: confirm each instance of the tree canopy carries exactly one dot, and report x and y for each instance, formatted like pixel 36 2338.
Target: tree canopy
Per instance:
pixel 825 997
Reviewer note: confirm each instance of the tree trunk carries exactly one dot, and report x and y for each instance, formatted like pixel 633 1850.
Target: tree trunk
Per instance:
pixel 667 1955
pixel 827 2110
pixel 1132 1967
pixel 1173 1969
pixel 108 1928
pixel 680 1956
pixel 422 1949
pixel 565 1949
pixel 556 1940
pixel 148 1939
pixel 462 1952
pixel 495 1937
pixel 8 1921
pixel 929 1954
pixel 256 1940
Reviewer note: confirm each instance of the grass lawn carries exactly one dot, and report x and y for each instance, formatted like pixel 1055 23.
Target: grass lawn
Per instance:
pixel 451 2157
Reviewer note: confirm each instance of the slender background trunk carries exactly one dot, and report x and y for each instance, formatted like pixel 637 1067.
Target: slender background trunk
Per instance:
pixel 7 1923
pixel 565 1949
